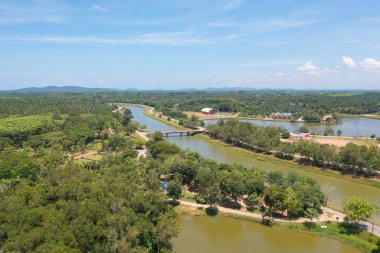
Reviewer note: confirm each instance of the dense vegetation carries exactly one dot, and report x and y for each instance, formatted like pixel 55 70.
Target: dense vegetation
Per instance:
pixel 70 208
pixel 352 159
pixel 312 105
pixel 275 193
pixel 51 202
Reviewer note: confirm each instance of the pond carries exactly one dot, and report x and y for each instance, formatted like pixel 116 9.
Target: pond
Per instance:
pixel 353 127
pixel 224 235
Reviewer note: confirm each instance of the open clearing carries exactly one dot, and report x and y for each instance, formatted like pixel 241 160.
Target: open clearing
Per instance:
pixel 202 116
pixel 343 141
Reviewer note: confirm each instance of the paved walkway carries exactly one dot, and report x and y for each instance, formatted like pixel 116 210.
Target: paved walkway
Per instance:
pixel 142 153
pixel 323 217
pixel 143 135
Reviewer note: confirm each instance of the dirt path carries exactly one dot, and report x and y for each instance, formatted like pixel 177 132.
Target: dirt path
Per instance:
pixel 323 217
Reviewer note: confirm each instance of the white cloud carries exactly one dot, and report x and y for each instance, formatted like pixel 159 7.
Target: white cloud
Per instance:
pixel 311 69
pixel 349 62
pixel 99 8
pixel 269 25
pixel 280 74
pixel 156 38
pixel 370 65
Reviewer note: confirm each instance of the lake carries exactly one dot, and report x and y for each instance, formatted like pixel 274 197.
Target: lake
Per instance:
pixel 354 127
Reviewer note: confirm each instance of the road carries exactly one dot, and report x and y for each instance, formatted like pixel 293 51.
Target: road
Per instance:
pixel 323 217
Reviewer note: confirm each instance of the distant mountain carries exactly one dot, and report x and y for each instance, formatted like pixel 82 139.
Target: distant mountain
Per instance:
pixel 58 89
pixel 62 89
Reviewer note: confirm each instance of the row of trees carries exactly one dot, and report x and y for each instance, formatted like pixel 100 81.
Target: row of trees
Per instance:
pixel 293 194
pixel 65 132
pixel 353 159
pixel 60 103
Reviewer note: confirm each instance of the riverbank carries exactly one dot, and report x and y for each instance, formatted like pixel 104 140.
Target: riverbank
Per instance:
pixel 328 215
pixel 293 164
pixel 364 241
pixel 150 112
pixel 370 116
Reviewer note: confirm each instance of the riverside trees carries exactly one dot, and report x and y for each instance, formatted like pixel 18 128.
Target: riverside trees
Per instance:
pixel 213 182
pixel 352 159
pixel 357 209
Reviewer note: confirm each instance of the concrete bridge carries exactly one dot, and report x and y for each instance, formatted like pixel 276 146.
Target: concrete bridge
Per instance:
pixel 187 132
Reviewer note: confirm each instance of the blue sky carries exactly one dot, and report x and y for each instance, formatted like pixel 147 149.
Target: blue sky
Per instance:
pixel 171 44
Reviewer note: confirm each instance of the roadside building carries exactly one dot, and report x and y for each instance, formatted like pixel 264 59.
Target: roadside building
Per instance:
pixel 280 115
pixel 209 111
pixel 299 136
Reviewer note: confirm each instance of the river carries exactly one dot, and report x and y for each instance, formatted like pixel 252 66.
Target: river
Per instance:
pixel 353 127
pixel 338 188
pixel 224 235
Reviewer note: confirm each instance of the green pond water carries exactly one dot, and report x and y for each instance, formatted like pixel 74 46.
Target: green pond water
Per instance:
pixel 225 235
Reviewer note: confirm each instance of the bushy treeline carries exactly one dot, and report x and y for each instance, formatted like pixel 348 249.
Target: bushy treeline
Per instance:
pixel 256 103
pixel 19 128
pixel 352 159
pixel 273 192
pixel 33 104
